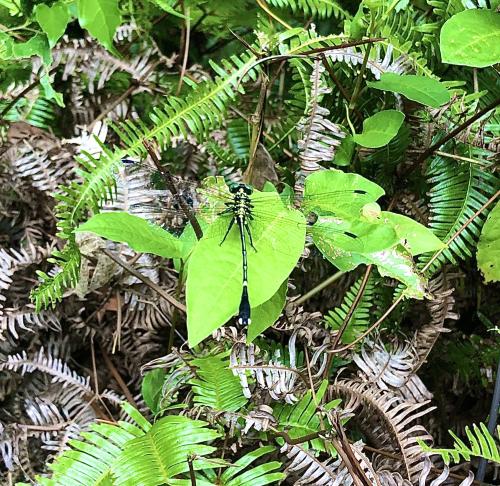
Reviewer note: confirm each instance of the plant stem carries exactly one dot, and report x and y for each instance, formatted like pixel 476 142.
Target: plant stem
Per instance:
pixel 318 288
pixel 24 92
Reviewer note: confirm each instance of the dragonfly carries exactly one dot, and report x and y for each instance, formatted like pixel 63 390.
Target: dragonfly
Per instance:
pixel 263 221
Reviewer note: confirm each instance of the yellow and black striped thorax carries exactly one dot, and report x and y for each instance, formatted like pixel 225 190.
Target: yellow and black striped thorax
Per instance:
pixel 241 205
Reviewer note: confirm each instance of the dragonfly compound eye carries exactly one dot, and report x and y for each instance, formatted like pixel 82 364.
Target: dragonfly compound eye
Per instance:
pixel 311 218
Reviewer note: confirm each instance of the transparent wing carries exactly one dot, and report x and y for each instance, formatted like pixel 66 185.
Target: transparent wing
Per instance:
pixel 209 199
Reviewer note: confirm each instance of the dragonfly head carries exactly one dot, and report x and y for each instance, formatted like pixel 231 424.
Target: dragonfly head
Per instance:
pixel 236 187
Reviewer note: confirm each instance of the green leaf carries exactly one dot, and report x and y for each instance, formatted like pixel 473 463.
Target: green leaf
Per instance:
pixel 351 233
pixel 213 288
pixel 100 18
pixel 265 315
pixel 351 192
pixel 415 237
pixel 428 91
pixel 36 46
pixel 393 262
pixel 471 38
pixel 53 20
pixel 49 91
pixel 343 155
pixel 380 129
pixel 151 388
pixel 138 233
pixel 168 6
pixel 488 247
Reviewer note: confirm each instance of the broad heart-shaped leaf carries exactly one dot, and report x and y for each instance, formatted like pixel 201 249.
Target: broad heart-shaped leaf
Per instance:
pixel 100 18
pixel 53 20
pixel 428 91
pixel 214 282
pixel 488 248
pixel 415 237
pixel 334 190
pixel 471 38
pixel 380 129
pixel 265 315
pixel 138 233
pixel 393 262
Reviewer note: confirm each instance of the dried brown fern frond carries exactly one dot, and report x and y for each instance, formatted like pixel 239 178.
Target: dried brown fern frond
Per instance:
pixel 319 137
pixel 310 470
pixel 389 423
pixel 16 311
pixel 440 308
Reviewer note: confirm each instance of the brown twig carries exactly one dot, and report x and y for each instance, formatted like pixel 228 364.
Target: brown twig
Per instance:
pixel 191 471
pixel 116 375
pixel 169 181
pixel 145 280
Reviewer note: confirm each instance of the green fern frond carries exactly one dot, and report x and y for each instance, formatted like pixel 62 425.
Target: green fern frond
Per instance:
pixel 482 444
pixel 216 386
pixel 238 137
pixel 301 419
pixel 226 160
pixel 38 112
pixel 316 8
pixel 163 452
pixel 239 473
pixel 89 461
pixel 51 287
pixel 360 319
pixel 457 192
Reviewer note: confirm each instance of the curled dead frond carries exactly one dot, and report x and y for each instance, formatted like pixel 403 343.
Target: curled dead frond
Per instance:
pixel 425 478
pixel 269 372
pixel 440 308
pixel 331 472
pixel 387 368
pixel 52 366
pixel 319 136
pixel 389 422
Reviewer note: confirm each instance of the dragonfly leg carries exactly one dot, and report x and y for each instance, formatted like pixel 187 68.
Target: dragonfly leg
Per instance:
pixel 249 232
pixel 227 232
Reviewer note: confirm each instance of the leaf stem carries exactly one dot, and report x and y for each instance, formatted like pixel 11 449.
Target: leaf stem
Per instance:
pixel 318 288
